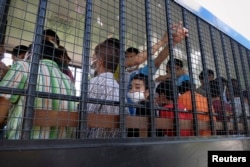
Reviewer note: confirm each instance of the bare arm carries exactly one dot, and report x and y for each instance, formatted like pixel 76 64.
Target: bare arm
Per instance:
pixel 5 107
pixel 179 34
pixel 142 56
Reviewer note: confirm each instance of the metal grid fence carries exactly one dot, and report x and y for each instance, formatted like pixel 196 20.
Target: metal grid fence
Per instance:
pixel 80 80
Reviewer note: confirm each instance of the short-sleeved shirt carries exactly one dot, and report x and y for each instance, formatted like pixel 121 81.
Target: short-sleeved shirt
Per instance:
pixel 103 87
pixel 181 79
pixel 50 79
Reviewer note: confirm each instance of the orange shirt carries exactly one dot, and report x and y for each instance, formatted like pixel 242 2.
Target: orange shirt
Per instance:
pixel 201 104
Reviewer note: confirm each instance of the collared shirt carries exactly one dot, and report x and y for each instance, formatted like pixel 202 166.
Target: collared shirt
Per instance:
pixel 103 87
pixel 51 80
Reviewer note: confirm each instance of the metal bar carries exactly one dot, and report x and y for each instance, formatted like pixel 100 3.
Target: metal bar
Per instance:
pixel 150 64
pixel 122 86
pixel 85 70
pixel 4 9
pixel 218 72
pixel 171 56
pixel 225 54
pixel 189 58
pixel 31 91
pixel 239 81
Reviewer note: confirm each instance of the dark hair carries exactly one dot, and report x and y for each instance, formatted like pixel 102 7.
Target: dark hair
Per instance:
pixel 236 87
pixel 184 87
pixel 143 78
pixel 49 51
pixel 209 73
pixel 109 52
pixel 214 88
pixel 166 88
pixel 20 49
pixel 49 32
pixel 132 50
pixel 177 62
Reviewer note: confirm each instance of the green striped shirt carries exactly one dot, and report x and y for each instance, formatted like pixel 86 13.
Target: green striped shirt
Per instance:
pixel 51 80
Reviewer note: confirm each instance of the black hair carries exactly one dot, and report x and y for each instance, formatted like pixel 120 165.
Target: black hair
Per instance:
pixel 143 78
pixel 236 87
pixel 132 50
pixel 166 88
pixel 214 88
pixel 114 41
pixel 177 62
pixel 49 32
pixel 209 73
pixel 184 87
pixel 20 49
pixel 49 51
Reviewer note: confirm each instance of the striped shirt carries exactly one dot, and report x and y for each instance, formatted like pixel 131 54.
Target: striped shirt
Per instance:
pixel 103 87
pixel 51 80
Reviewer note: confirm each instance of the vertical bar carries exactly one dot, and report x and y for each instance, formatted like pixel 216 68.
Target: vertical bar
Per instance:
pixel 171 56
pixel 228 76
pixel 218 72
pixel 122 90
pixel 150 64
pixel 204 68
pixel 85 69
pixel 4 9
pixel 247 86
pixel 194 110
pixel 238 78
pixel 29 106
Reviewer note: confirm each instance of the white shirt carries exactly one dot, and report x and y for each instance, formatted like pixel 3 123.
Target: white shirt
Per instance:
pixel 103 87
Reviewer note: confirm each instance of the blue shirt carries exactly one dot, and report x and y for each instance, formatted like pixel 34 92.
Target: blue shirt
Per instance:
pixel 181 79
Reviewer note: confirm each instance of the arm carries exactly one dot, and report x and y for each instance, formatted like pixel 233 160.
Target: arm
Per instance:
pixel 179 34
pixel 5 107
pixel 142 56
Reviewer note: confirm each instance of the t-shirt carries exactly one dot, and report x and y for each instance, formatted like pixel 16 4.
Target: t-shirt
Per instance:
pixel 50 79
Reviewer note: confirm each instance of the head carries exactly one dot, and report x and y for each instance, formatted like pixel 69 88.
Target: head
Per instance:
pixel 184 87
pixel 210 74
pixel 178 65
pixel 139 88
pixel 132 52
pixel 51 35
pixel 165 93
pixel 50 51
pixel 215 88
pixel 19 52
pixel 106 56
pixel 65 59
pixel 236 87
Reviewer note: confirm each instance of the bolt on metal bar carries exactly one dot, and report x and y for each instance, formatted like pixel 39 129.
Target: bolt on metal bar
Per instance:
pixel 31 91
pixel 85 68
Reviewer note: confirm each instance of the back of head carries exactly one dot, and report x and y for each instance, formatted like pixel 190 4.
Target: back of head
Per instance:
pixel 109 52
pixel 166 88
pixel 177 62
pixel 20 49
pixel 49 32
pixel 143 78
pixel 209 73
pixel 184 87
pixel 50 51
